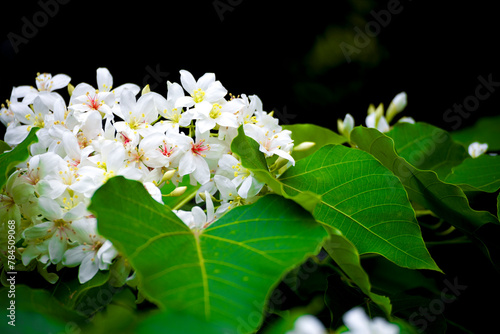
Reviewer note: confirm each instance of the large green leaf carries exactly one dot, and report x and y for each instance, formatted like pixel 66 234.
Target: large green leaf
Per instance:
pixel 222 274
pixel 481 173
pixel 446 200
pixel 253 159
pixel 20 153
pixel 346 256
pixel 312 133
pixel 484 131
pixel 362 199
pixel 427 147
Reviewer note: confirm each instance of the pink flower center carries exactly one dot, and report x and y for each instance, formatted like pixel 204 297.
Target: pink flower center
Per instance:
pixel 93 102
pixel 199 147
pixel 165 150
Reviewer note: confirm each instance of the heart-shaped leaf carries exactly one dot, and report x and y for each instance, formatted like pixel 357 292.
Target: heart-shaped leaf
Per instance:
pixel 446 200
pixel 362 199
pixel 222 274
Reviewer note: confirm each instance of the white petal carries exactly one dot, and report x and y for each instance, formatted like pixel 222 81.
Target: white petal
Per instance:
pixel 104 79
pixel 205 81
pixel 187 81
pixel 186 164
pixel 88 268
pixel 74 256
pixel 215 92
pixel 49 208
pixel 60 81
pixel 56 248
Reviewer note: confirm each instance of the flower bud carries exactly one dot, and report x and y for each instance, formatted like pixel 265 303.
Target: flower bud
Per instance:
pixel 168 175
pixel 397 105
pixel 304 146
pixel 71 88
pixel 178 191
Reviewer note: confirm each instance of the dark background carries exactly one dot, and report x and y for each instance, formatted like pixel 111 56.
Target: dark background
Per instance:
pixel 289 54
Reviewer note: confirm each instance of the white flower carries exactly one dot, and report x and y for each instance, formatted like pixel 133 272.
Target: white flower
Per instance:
pixel 241 177
pixel 161 150
pixel 307 324
pixel 358 322
pixel 271 142
pixel 46 85
pixel 97 169
pixel 94 252
pixel 195 161
pixel 223 114
pixel 137 115
pixel 167 107
pixel 86 98
pixel 28 118
pixel 476 149
pixel 205 89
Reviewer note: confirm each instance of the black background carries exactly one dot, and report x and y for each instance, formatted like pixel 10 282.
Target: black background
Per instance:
pixel 433 51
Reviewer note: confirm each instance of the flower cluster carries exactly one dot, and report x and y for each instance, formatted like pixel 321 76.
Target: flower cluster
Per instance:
pixel 105 131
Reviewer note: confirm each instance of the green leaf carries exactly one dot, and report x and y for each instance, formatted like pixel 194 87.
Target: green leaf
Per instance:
pixel 312 133
pixel 346 256
pixel 484 131
pixel 446 200
pixel 20 153
pixel 180 323
pixel 253 159
pixel 222 274
pixel 36 311
pixel 477 174
pixel 4 146
pixel 364 200
pixel 427 147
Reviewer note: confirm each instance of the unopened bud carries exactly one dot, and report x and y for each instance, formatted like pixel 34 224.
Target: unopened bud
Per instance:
pixel 71 88
pixel 178 191
pixel 345 127
pixel 304 146
pixel 397 105
pixel 168 175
